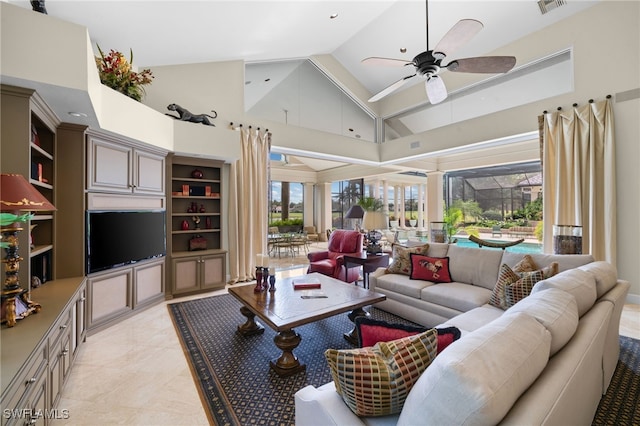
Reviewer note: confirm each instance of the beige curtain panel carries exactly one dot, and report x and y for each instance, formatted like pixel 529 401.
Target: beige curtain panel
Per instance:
pixel 579 177
pixel 248 190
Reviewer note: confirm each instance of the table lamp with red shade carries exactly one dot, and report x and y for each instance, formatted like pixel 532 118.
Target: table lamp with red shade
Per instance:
pixel 17 198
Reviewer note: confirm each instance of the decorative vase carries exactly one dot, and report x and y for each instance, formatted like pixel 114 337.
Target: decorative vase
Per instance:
pixel 258 287
pixel 272 283
pixel 265 278
pixel 567 239
pixel 185 225
pixel 197 174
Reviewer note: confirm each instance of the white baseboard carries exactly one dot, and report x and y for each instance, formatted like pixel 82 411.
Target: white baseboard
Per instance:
pixel 634 299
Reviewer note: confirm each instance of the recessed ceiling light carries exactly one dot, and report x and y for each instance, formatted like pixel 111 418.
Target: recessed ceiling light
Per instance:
pixel 267 80
pixel 350 129
pixel 403 50
pixel 77 114
pixel 333 16
pixel 247 82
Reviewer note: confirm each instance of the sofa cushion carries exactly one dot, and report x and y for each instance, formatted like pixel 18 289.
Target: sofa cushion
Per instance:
pixel 375 381
pixel 581 284
pixel 401 263
pixel 434 269
pixel 371 331
pixel 605 274
pixel 565 261
pixel 458 296
pixel 402 284
pixel 438 249
pixel 474 266
pixel 474 319
pixel 557 310
pixel 479 377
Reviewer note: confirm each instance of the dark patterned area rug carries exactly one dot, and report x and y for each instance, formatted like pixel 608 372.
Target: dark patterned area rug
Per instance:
pixel 237 386
pixel 621 404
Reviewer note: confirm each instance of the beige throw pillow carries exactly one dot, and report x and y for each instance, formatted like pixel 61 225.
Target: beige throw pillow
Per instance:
pixel 401 263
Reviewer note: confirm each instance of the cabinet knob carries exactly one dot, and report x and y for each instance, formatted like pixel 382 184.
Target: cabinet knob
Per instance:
pixel 31 380
pixel 63 326
pixel 82 299
pixel 65 352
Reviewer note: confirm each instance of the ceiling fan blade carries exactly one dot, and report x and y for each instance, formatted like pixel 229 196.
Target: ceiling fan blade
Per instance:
pixel 483 64
pixel 384 92
pixel 459 34
pixel 387 62
pixel 436 90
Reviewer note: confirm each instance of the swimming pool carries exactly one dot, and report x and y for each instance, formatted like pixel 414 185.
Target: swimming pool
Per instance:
pixel 519 248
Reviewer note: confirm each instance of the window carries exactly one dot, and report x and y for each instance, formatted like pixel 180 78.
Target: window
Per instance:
pixel 344 194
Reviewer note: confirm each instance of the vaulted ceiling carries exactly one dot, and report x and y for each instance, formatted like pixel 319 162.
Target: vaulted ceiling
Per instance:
pixel 183 32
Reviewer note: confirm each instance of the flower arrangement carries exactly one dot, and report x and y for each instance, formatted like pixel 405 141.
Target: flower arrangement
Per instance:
pixel 116 72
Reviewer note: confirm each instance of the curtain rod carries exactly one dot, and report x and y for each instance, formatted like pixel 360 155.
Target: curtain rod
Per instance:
pixel 575 105
pixel 239 126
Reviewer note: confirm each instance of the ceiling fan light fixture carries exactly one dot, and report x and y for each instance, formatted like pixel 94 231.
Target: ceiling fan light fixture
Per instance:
pixel 436 90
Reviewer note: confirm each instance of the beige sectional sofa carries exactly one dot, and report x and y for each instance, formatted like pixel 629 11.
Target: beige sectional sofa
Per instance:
pixel 546 360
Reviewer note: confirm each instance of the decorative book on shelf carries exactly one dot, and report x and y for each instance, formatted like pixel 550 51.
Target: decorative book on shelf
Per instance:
pixel 306 283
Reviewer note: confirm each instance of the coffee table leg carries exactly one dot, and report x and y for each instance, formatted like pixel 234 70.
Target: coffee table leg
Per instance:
pixel 250 327
pixel 288 363
pixel 352 336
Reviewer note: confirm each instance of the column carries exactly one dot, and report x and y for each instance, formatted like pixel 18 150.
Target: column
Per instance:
pixel 309 202
pixel 421 206
pixel 403 222
pixel 435 197
pixel 324 212
pixel 396 202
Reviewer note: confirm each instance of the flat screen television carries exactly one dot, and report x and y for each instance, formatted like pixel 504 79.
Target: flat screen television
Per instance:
pixel 116 238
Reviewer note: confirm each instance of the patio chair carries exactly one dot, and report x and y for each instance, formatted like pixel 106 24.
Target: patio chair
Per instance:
pixel 496 231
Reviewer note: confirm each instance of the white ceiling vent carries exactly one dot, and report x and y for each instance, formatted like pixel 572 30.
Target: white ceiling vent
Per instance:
pixel 549 5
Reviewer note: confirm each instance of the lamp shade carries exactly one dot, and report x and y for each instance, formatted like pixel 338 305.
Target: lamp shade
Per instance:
pixel 355 212
pixel 374 220
pixel 17 194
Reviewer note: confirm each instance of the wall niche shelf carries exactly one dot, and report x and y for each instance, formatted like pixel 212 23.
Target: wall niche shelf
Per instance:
pixel 195 199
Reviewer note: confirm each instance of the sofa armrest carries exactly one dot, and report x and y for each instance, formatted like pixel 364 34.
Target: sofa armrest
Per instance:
pixel 317 255
pixel 323 407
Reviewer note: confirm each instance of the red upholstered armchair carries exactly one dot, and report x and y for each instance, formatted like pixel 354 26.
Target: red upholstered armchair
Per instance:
pixel 331 261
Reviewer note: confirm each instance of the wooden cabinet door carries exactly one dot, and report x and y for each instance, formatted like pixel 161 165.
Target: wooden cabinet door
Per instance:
pixel 186 274
pixel 109 167
pixel 149 282
pixel 149 173
pixel 212 271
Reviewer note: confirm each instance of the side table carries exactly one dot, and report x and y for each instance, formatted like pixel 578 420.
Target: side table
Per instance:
pixel 369 263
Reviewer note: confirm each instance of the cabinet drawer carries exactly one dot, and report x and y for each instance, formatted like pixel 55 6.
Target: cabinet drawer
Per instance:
pixel 21 391
pixel 60 328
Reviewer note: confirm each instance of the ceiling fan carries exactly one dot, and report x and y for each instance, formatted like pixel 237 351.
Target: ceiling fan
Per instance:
pixel 428 64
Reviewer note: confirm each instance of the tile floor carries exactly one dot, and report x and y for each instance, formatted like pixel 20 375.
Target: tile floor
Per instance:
pixel 135 373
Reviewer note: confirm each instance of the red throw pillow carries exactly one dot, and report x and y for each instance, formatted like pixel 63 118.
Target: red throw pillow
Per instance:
pixel 372 331
pixel 434 269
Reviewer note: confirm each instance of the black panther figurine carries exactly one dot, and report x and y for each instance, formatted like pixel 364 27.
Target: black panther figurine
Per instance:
pixel 38 6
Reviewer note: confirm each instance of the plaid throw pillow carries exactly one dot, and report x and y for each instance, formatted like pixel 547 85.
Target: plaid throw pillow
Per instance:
pixel 506 276
pixel 375 381
pixel 512 287
pixel 520 289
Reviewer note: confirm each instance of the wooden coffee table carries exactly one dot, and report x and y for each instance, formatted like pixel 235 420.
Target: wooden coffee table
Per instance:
pixel 285 308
